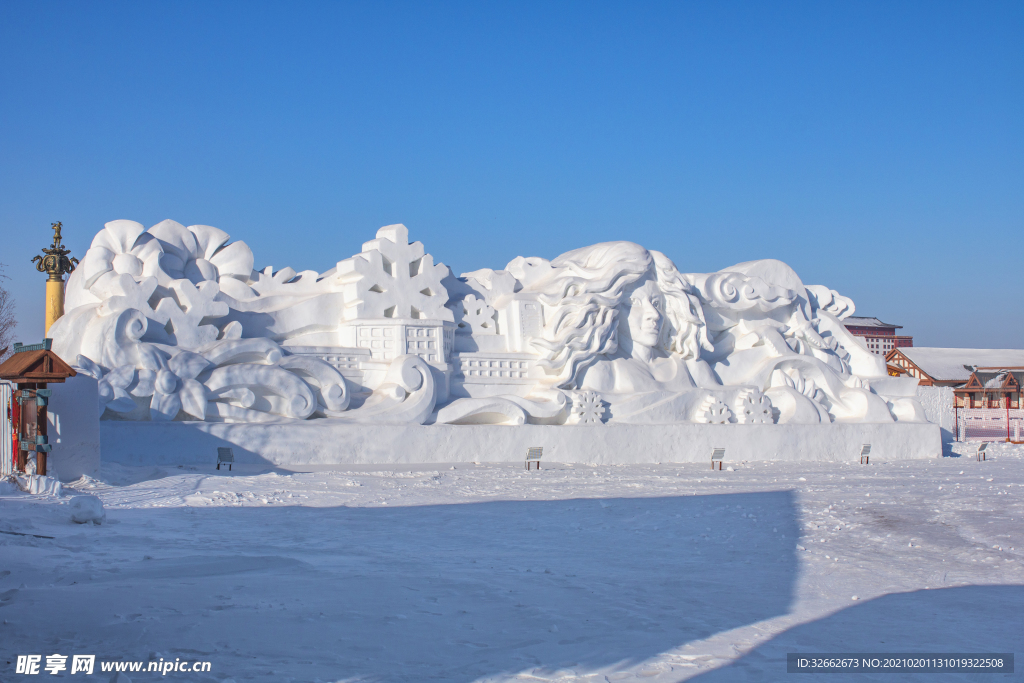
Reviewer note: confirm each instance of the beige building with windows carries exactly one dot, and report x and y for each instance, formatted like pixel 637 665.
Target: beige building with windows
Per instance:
pixel 879 337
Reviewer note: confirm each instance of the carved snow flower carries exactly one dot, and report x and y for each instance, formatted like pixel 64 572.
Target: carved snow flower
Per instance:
pixel 175 388
pixel 201 253
pixel 112 386
pixel 121 248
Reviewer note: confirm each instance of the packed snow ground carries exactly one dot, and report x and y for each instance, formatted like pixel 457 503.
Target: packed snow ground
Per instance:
pixel 489 573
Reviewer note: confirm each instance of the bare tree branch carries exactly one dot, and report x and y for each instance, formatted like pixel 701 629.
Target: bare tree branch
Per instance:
pixel 8 322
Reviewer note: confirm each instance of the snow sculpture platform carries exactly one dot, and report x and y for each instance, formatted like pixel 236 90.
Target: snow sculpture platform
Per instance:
pixel 605 354
pixel 323 442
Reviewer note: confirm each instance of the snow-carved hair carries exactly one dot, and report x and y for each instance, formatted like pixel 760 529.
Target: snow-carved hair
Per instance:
pixel 582 294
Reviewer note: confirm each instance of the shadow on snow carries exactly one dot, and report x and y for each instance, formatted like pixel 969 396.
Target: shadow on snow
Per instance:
pixel 446 592
pixel 949 620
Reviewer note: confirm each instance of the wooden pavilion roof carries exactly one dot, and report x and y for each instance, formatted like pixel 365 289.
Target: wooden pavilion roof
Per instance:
pixel 35 364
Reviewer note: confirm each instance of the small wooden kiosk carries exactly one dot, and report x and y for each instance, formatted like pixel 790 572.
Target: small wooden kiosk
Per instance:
pixel 31 368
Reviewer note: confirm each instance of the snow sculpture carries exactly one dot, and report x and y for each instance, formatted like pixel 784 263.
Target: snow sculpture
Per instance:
pixel 175 323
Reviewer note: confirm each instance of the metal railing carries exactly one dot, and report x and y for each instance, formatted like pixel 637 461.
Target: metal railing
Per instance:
pixel 990 424
pixel 6 430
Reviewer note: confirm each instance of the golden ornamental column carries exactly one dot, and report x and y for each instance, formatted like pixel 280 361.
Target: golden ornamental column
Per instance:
pixel 55 264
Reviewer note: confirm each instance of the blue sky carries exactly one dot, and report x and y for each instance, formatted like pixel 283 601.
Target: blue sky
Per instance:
pixel 877 148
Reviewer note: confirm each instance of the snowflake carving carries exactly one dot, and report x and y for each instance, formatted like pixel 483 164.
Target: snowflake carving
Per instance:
pixel 753 407
pixel 588 408
pixel 392 278
pixel 125 293
pixel 712 411
pixel 194 308
pixel 477 317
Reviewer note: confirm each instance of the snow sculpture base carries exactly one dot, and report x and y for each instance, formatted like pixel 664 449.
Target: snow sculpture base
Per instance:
pixel 295 445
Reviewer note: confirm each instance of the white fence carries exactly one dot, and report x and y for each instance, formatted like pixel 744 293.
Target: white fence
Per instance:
pixel 989 424
pixel 6 442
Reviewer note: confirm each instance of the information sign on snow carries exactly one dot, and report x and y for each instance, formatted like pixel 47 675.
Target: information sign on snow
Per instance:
pixel 717 455
pixel 225 456
pixel 533 455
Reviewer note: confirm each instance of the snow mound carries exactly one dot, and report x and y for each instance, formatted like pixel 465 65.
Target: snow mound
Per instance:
pixel 40 485
pixel 86 509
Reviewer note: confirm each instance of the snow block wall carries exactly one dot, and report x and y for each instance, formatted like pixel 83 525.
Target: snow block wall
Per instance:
pixel 299 445
pixel 938 408
pixel 74 428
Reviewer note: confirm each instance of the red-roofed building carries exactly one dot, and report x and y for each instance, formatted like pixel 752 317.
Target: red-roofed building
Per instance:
pixel 879 337
pixel 980 378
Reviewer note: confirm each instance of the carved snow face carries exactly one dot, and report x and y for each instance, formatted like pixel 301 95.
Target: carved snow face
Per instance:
pixel 646 315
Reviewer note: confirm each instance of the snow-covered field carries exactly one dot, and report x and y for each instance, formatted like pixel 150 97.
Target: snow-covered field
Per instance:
pixel 490 573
